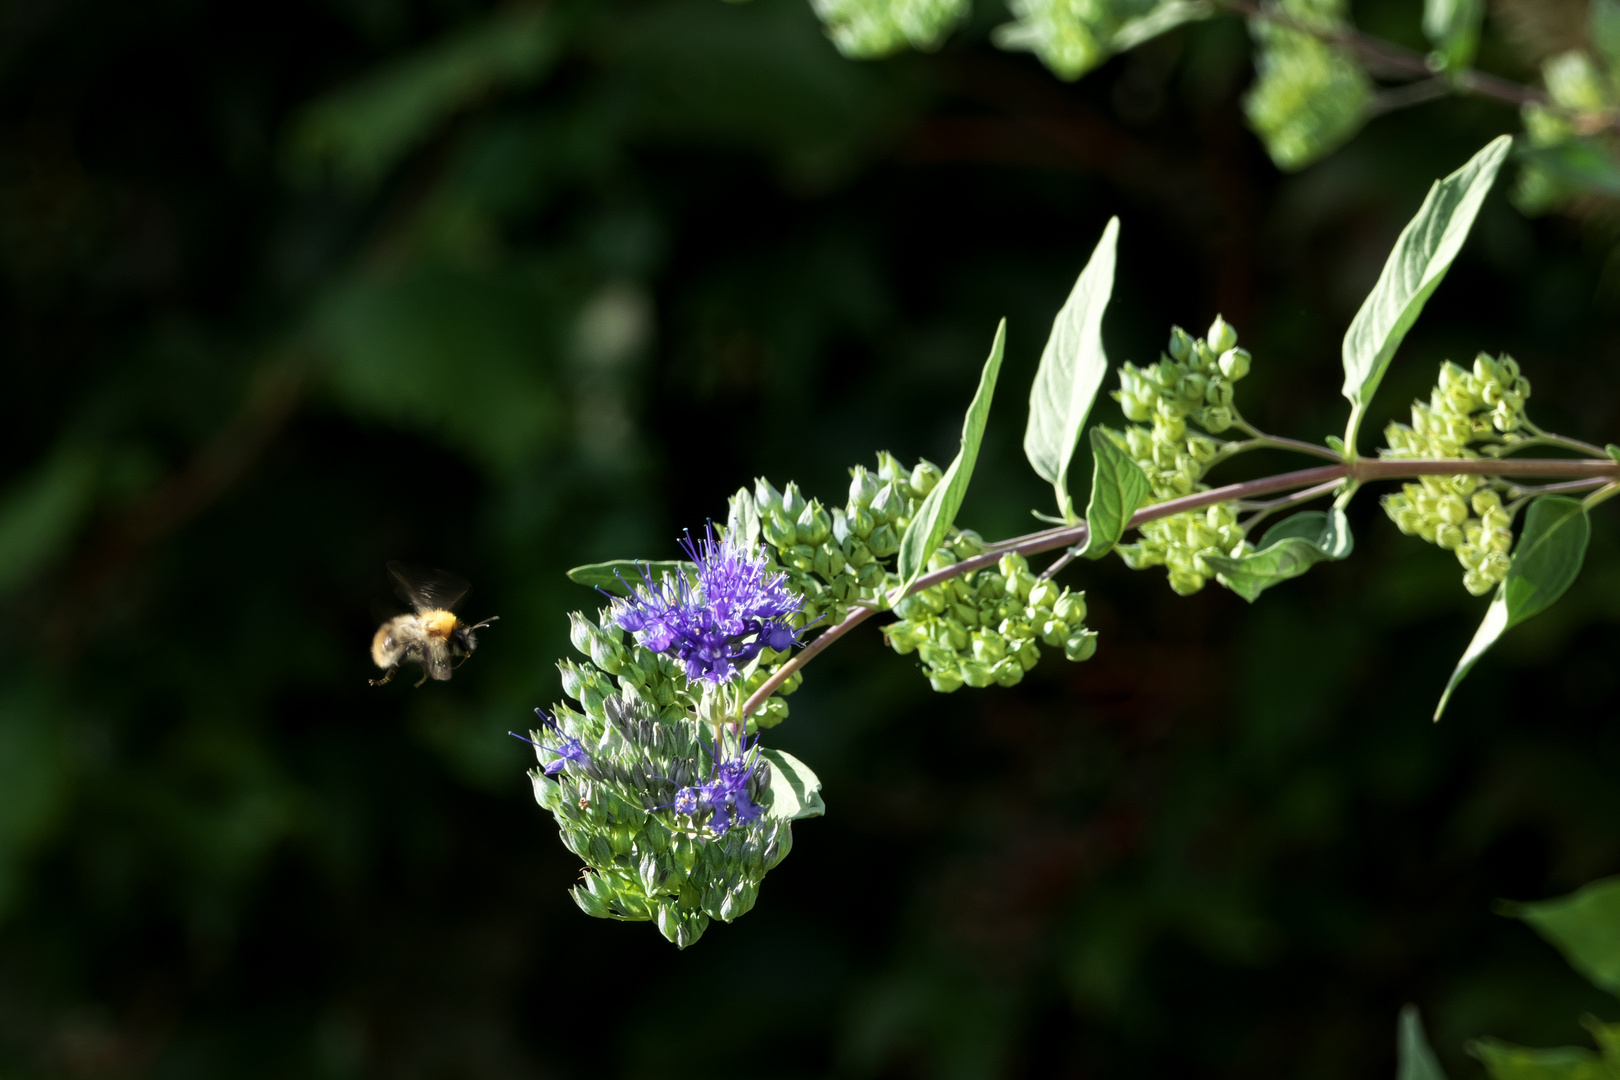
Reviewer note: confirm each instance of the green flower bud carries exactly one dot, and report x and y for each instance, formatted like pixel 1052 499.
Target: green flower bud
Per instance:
pixel 766 497
pixel 1499 540
pixel 1185 583
pixel 607 655
pixel 977 675
pixel 1448 536
pixel 801 557
pixel 1219 393
pixel 841 530
pixel 968 544
pixel 945 682
pixel 856 554
pixel 1008 672
pixel 889 467
pixel 1235 363
pixel 1505 419
pixel 1487 370
pixel 1181 343
pixel 814 524
pixel 884 541
pixel 904 637
pixel 1453 511
pixel 1470 556
pixel 1133 407
pixel 870 576
pixel 1215 419
pixel 941 558
pixel 778 531
pixel 989 646
pixel 889 504
pixel 924 477
pixel 1478 583
pixel 861 522
pixel 1044 594
pixel 991 586
pixel 1071 607
pixel 967 616
pixel 1053 631
pixel 1029 654
pixel 1191 388
pixel 1012 564
pixel 1497 519
pixel 862 487
pixel 1221 336
pixel 829 562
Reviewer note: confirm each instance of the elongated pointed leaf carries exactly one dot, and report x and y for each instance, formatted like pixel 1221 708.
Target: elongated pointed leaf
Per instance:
pixel 1417 265
pixel 1073 365
pixel 1119 487
pixel 1414 1060
pixel 795 792
pixel 1584 926
pixel 617 574
pixel 1545 563
pixel 1287 550
pixel 938 510
pixel 1504 1061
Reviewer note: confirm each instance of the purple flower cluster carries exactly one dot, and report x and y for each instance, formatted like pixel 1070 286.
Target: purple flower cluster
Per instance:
pixel 724 800
pixel 714 626
pixel 570 750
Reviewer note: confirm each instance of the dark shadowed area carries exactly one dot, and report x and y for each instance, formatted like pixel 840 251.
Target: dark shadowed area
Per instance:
pixel 288 290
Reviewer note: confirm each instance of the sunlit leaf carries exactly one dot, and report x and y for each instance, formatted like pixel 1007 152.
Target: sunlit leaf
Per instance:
pixel 795 792
pixel 1119 487
pixel 618 576
pixel 1072 368
pixel 1414 1059
pixel 1415 268
pixel 1452 27
pixel 1287 550
pixel 1545 563
pixel 938 510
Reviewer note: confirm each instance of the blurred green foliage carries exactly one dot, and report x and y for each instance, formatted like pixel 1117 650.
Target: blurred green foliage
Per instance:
pixel 294 289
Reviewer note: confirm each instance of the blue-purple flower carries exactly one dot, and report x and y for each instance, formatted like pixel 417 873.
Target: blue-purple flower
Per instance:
pixel 721 621
pixel 570 750
pixel 724 800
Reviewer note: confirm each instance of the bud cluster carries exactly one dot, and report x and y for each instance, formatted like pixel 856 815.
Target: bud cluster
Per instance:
pixel 983 628
pixel 612 773
pixel 1482 408
pixel 1191 385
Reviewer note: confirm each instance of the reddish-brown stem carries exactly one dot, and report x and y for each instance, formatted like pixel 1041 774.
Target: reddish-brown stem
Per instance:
pixel 1052 539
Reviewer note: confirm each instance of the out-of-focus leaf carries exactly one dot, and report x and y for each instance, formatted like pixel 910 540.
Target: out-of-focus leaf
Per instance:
pixel 867 29
pixel 1309 97
pixel 1504 1061
pixel 40 513
pixel 1584 164
pixel 1415 268
pixel 1414 1059
pixel 33 776
pixel 361 131
pixel 461 357
pixel 938 509
pixel 1545 563
pixel 1071 38
pixel 1287 550
pixel 618 576
pixel 1452 27
pixel 1603 27
pixel 795 791
pixel 1584 926
pixel 1119 487
pixel 1072 368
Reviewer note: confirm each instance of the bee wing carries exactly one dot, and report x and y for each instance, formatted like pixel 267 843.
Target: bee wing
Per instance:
pixel 425 589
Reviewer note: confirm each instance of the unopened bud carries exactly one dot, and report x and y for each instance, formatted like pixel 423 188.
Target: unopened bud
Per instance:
pixel 863 487
pixel 1235 363
pixel 968 544
pixel 793 502
pixel 889 467
pixel 924 477
pixel 1083 645
pixel 1216 419
pixel 1071 608
pixel 1181 343
pixel 580 632
pixel 814 524
pixel 884 542
pixel 1221 336
pixel 766 497
pixel 778 531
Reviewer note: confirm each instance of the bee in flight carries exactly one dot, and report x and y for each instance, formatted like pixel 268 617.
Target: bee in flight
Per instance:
pixel 433 637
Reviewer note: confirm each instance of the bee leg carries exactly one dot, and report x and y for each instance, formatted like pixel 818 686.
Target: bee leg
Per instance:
pixel 389 674
pixel 420 681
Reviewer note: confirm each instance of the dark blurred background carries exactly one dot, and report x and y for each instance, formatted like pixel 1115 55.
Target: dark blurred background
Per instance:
pixel 291 289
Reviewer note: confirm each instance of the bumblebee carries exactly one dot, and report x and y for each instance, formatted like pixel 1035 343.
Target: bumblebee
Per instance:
pixel 433 637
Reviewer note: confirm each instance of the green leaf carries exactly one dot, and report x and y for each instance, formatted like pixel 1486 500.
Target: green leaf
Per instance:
pixel 41 512
pixel 1288 549
pixel 361 131
pixel 1545 563
pixel 1584 926
pixel 1452 27
pixel 1119 487
pixel 1504 1061
pixel 938 510
pixel 1416 266
pixel 1309 96
pixel 1073 365
pixel 1414 1059
pixel 1161 20
pixel 614 574
pixel 1603 27
pixel 795 792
